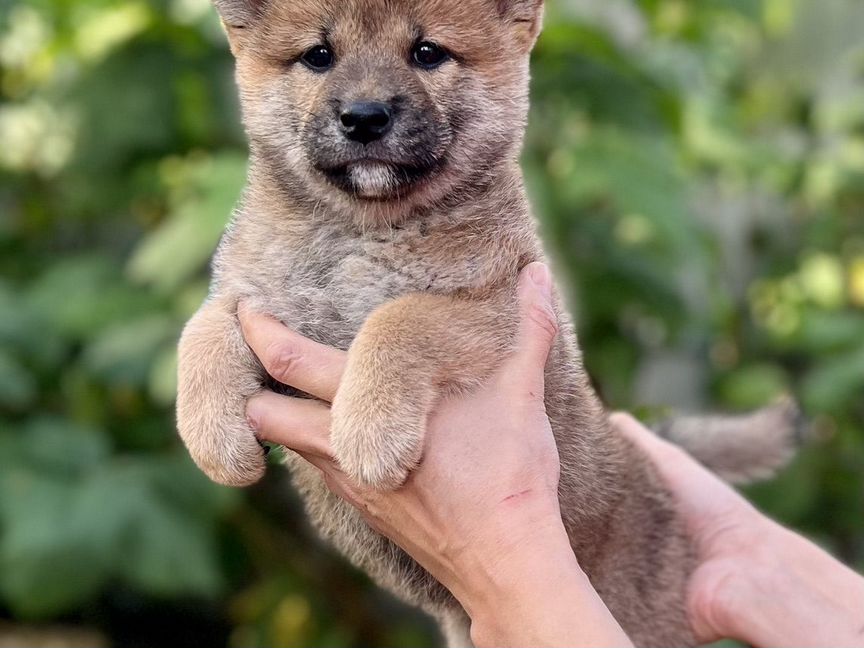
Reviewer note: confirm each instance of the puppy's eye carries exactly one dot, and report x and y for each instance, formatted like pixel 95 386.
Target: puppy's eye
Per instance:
pixel 428 55
pixel 318 59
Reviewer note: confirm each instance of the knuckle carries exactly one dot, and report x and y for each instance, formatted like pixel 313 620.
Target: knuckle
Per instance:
pixel 255 417
pixel 543 319
pixel 332 484
pixel 281 360
pixel 621 420
pixel 373 505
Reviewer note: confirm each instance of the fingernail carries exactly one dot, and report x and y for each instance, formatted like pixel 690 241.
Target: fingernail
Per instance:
pixel 542 278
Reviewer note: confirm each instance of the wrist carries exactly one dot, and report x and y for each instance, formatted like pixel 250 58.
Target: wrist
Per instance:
pixel 510 604
pixel 531 591
pixel 552 604
pixel 506 548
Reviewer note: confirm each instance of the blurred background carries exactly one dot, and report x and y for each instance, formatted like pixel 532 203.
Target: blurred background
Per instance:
pixel 699 171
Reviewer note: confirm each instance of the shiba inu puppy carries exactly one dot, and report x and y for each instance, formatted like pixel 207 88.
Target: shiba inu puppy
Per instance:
pixel 385 212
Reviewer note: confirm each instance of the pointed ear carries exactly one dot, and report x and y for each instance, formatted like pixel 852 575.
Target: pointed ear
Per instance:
pixel 526 18
pixel 239 14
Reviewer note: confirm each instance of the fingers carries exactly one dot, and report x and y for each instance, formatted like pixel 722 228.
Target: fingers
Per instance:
pixel 291 358
pixel 299 424
pixel 658 450
pixel 682 473
pixel 334 479
pixel 632 429
pixel 538 327
pixel 302 426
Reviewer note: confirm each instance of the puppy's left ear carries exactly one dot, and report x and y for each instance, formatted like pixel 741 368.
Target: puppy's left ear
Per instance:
pixel 525 17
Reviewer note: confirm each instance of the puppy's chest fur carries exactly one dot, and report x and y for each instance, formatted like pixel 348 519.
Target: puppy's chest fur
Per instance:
pixel 324 280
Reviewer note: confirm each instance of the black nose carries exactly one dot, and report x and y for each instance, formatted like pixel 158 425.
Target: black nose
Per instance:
pixel 366 121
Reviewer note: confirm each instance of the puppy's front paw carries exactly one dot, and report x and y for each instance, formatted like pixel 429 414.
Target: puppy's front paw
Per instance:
pixel 377 434
pixel 224 447
pixel 216 372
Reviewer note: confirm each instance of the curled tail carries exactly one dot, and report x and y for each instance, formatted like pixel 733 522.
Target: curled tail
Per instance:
pixel 743 448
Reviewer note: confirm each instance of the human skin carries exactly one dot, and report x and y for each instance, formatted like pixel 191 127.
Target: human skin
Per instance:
pixel 481 512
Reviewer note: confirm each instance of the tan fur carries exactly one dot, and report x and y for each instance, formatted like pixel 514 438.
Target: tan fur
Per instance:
pixel 417 278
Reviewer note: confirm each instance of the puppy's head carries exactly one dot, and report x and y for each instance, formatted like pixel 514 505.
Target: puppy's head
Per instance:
pixel 384 103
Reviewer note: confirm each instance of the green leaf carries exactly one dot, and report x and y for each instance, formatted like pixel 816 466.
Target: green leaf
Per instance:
pixel 49 564
pixel 17 385
pixel 78 296
pixel 155 544
pixel 183 244
pixel 753 386
pixel 150 522
pixel 124 354
pixel 835 382
pixel 59 447
pixel 828 332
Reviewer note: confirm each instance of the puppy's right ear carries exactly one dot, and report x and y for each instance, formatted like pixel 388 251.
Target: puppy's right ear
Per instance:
pixel 239 15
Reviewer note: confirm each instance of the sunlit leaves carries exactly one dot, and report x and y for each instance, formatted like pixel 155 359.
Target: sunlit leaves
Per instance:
pixel 101 30
pixel 202 193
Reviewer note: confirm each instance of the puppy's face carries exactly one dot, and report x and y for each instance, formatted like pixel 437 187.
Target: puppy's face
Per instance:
pixel 391 103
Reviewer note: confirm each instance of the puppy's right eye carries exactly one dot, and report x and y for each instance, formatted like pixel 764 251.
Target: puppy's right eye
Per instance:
pixel 318 59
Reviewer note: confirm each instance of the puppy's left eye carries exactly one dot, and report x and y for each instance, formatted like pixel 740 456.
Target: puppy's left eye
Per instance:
pixel 428 55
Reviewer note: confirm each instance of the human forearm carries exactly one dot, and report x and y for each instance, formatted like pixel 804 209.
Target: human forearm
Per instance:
pixel 535 594
pixel 558 609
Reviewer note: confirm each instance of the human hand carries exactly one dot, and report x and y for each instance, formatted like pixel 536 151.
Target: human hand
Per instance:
pixel 756 581
pixel 481 512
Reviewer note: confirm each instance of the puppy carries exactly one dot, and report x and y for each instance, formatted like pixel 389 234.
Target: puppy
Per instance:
pixel 385 214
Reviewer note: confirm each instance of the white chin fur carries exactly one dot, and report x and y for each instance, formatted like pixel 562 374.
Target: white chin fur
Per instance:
pixel 372 179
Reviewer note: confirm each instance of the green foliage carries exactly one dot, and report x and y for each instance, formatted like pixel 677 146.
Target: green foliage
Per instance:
pixel 699 171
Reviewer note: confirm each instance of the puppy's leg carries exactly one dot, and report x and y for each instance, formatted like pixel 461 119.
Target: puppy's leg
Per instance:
pixel 407 354
pixel 216 374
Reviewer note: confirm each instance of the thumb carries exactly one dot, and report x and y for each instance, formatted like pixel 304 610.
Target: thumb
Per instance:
pixel 538 326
